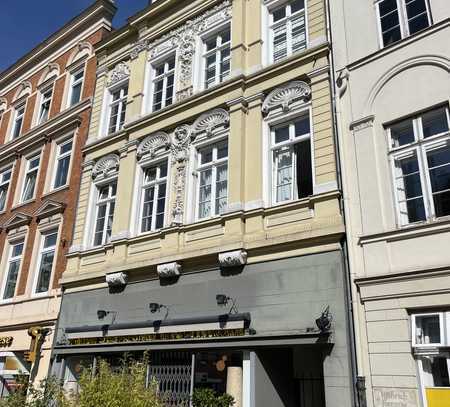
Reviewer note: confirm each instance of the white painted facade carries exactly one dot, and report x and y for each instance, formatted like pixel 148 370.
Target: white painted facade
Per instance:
pixel 397 269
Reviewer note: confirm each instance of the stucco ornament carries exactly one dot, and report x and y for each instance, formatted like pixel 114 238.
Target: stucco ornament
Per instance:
pixel 285 95
pixel 137 48
pixel 121 71
pixel 3 104
pixel 106 166
pixel 233 259
pixel 117 279
pixel 169 270
pixel 186 51
pixel 210 121
pixel 151 145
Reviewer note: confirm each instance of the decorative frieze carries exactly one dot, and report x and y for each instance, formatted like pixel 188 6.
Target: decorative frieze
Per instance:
pixel 151 145
pixel 106 166
pixel 169 270
pixel 117 279
pixel 120 72
pixel 285 95
pixel 233 259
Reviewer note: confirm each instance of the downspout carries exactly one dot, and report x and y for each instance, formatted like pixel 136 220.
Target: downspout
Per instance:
pixel 355 385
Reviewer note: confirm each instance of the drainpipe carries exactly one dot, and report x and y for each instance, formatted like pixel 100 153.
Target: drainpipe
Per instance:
pixel 357 384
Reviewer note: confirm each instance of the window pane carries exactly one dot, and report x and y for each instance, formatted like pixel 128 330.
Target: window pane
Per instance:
pixel 206 155
pixel 45 272
pixel 222 150
pixel 163 170
pixel 439 167
pixel 99 225
pixel 417 15
pixel 298 33
pixel 391 36
pixel 428 329
pixel 434 122
pixel 65 148
pixel 389 21
pixel 297 6
pixel 211 43
pixel 283 174
pixel 304 169
pixel 221 189
pixel 50 240
pixel 440 371
pixel 279 13
pixel 62 171
pixel 387 6
pixel 225 35
pixel 3 193
pixel 150 174
pixel 205 194
pixel 402 133
pixel 113 119
pixel 281 134
pixel 418 23
pixel 13 272
pixel 30 183
pixel 302 126
pixel 279 43
pixel 149 194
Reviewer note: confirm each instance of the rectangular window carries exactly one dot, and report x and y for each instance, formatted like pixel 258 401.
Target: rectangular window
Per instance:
pixel 15 258
pixel 63 154
pixel 106 201
pixel 5 179
pixel 420 153
pixel 76 87
pixel 163 84
pixel 46 259
pixel 44 110
pixel 291 160
pixel 154 192
pixel 216 57
pixel 18 121
pixel 400 18
pixel 117 109
pixel 31 173
pixel 212 173
pixel 288 29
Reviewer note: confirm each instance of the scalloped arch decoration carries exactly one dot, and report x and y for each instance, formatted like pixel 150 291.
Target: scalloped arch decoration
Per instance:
pixel 152 144
pixel 210 121
pixel 285 95
pixel 81 51
pixel 52 71
pixel 23 91
pixel 106 166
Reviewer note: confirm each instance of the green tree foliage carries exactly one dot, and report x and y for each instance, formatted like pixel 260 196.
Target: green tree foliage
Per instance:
pixel 209 398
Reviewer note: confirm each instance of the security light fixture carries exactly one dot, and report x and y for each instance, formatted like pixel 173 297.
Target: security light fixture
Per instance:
pixel 101 314
pixel 155 307
pixel 324 321
pixel 223 300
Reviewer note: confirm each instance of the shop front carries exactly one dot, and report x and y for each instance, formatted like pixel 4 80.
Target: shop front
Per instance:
pixel 270 334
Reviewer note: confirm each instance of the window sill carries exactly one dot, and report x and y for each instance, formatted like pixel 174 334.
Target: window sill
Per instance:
pixel 56 190
pixel 24 203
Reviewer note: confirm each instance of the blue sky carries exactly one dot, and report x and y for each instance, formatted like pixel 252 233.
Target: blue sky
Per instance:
pixel 23 26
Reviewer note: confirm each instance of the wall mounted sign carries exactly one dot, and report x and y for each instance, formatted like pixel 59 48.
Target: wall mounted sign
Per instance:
pixel 6 341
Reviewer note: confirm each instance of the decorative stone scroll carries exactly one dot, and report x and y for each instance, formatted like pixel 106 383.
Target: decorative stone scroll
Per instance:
pixel 106 166
pixel 117 279
pixel 152 144
pixel 233 259
pixel 121 71
pixel 285 95
pixel 169 270
pixel 210 121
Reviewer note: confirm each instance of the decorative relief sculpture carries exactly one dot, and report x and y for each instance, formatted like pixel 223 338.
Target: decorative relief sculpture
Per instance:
pixel 137 48
pixel 210 121
pixel 105 166
pixel 233 259
pixel 120 72
pixel 3 104
pixel 117 279
pixel 169 270
pixel 285 95
pixel 180 153
pixel 152 144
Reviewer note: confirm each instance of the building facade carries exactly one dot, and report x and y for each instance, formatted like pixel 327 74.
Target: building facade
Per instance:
pixel 45 105
pixel 209 227
pixel 393 110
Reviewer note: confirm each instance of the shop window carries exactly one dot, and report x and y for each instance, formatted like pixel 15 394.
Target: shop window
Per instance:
pixel 5 180
pixel 117 108
pixel 420 155
pixel 105 205
pixel 212 179
pixel 13 269
pixel 287 29
pixel 163 83
pixel 291 160
pixel 13 368
pixel 216 57
pixel 401 18
pixel 154 196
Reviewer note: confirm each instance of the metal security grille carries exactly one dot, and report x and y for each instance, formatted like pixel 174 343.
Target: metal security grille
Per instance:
pixel 174 373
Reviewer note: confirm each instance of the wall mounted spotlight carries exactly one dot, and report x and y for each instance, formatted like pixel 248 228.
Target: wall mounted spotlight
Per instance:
pixel 324 321
pixel 155 307
pixel 223 300
pixel 101 314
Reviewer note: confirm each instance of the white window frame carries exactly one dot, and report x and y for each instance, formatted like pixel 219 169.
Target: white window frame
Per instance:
pixel 270 6
pixel 143 186
pixel 41 252
pixel 444 326
pixel 163 60
pixel 10 259
pixel 219 47
pixel 59 157
pixel 17 109
pixel 403 20
pixel 122 101
pixel 44 100
pixel 74 83
pixel 7 183
pixel 97 203
pixel 29 159
pixel 420 147
pixel 211 165
pixel 279 120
